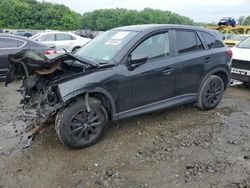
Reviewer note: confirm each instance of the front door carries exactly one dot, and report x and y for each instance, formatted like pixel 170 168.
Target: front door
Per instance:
pixel 149 83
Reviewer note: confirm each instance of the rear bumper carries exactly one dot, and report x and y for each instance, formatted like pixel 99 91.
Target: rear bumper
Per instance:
pixel 240 77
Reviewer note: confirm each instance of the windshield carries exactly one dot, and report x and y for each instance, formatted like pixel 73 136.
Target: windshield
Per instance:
pixel 238 38
pixel 106 46
pixel 245 43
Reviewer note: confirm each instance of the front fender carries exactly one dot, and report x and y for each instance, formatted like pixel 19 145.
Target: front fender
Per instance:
pixel 91 83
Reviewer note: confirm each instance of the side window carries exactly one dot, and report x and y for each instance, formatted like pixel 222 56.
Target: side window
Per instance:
pixel 8 43
pixel 218 44
pixel 47 37
pixel 154 47
pixel 60 37
pixel 210 40
pixel 188 41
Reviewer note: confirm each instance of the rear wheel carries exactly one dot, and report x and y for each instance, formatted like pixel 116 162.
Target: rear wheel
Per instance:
pixel 78 128
pixel 211 93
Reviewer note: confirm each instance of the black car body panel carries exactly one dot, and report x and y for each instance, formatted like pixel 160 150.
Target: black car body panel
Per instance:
pixel 131 89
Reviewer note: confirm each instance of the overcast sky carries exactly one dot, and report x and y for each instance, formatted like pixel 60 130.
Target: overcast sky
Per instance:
pixel 198 10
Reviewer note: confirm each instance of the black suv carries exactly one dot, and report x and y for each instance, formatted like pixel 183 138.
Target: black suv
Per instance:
pixel 124 72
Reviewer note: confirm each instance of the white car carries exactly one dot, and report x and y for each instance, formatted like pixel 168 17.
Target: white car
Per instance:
pixel 61 41
pixel 241 61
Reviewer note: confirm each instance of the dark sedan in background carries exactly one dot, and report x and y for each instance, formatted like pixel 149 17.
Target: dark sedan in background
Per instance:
pixel 12 44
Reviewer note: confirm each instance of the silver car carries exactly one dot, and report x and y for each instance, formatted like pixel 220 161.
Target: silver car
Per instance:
pixel 61 41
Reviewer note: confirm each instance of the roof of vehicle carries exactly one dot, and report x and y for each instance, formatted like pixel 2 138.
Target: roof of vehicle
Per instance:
pixel 55 32
pixel 14 36
pixel 28 40
pixel 154 27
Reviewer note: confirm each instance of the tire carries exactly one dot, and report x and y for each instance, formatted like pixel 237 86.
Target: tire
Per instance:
pixel 76 128
pixel 247 84
pixel 211 93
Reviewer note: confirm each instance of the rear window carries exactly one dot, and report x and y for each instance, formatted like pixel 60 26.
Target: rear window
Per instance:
pixel 47 37
pixel 211 41
pixel 188 41
pixel 10 43
pixel 61 37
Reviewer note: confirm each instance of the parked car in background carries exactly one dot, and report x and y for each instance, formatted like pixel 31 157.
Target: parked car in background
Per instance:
pixel 226 36
pixel 61 41
pixel 232 41
pixel 125 72
pixel 24 33
pixel 12 44
pixel 241 61
pixel 87 33
pixel 227 21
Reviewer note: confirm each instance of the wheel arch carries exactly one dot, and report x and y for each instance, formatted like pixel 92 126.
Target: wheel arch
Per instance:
pixel 100 94
pixel 223 73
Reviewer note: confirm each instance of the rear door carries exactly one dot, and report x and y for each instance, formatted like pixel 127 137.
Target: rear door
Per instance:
pixel 64 41
pixel 8 46
pixel 190 62
pixel 48 39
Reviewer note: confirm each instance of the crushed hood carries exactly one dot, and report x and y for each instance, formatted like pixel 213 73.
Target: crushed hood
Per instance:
pixel 28 62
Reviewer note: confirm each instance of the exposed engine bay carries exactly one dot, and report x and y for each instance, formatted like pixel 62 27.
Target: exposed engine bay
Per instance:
pixel 40 77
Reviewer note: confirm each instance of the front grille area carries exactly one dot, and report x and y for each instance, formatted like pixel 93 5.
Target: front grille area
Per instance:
pixel 239 64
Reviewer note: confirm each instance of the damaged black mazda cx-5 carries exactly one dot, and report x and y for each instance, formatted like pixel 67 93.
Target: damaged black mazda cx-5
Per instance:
pixel 123 72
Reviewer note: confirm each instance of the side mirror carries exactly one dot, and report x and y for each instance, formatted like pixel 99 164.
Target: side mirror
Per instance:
pixel 137 59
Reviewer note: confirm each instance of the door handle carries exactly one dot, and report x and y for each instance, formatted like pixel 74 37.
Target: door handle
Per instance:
pixel 208 60
pixel 167 71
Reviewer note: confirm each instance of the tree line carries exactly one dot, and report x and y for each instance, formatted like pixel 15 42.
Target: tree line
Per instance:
pixel 109 18
pixel 31 14
pixel 244 20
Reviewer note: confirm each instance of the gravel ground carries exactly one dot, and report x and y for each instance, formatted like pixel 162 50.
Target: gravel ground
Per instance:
pixel 179 147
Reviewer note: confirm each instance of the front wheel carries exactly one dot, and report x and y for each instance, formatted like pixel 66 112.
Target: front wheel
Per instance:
pixel 211 93
pixel 77 128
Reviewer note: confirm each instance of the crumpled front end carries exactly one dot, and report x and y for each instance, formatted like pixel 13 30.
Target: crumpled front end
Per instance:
pixel 40 77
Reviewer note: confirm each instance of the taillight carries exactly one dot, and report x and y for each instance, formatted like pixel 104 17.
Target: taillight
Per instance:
pixel 48 52
pixel 229 53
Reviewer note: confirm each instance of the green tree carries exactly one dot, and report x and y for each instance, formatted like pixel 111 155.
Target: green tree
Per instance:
pixel 241 20
pixel 30 14
pixel 247 21
pixel 105 19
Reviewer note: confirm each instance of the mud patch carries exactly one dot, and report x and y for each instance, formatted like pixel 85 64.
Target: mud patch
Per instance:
pixel 179 147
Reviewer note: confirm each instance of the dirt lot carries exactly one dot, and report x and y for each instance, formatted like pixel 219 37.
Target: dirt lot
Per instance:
pixel 180 147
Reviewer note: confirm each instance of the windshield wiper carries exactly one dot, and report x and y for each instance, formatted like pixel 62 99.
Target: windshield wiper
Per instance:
pixel 81 59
